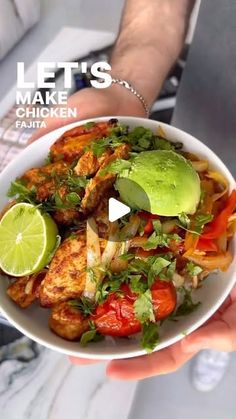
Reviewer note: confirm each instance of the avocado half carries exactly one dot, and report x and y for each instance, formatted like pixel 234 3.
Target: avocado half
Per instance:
pixel 161 182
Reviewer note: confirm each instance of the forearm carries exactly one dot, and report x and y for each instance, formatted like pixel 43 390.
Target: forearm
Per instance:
pixel 151 36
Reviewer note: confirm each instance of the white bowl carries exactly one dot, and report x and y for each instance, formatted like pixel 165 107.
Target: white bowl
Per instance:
pixel 33 321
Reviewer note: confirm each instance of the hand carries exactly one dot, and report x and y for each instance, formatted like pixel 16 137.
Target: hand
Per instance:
pixel 218 333
pixel 91 103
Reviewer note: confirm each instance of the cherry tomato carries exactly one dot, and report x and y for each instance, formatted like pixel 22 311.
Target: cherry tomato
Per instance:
pixel 163 298
pixel 116 316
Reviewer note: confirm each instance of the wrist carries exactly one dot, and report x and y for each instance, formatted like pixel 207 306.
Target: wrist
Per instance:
pixel 124 102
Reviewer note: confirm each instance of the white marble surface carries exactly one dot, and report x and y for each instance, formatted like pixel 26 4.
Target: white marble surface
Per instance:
pixel 36 383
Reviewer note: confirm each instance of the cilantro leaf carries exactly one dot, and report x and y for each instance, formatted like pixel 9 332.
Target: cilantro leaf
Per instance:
pixel 157 226
pixel 184 219
pixel 160 239
pixel 89 124
pixel 116 167
pixel 84 304
pixel 75 182
pixel 141 139
pixel 137 284
pixel 158 265
pixel 171 270
pixel 127 256
pixel 200 221
pixel 18 189
pixel 143 307
pixel 90 336
pixel 150 336
pixel 193 269
pixel 187 306
pixel 164 144
pixel 58 201
pixel 73 198
pixel 48 159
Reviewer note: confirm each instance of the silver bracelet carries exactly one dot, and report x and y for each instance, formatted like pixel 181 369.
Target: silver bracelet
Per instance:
pixel 128 86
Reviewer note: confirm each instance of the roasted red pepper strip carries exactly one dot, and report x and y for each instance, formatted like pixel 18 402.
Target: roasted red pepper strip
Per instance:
pixel 148 229
pixel 207 245
pixel 116 316
pixel 219 225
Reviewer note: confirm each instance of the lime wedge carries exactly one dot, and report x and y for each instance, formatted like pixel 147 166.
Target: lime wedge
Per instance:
pixel 28 238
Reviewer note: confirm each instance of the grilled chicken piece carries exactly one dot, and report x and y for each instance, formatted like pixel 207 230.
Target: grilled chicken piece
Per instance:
pixel 101 217
pixel 72 143
pixel 25 290
pixel 43 179
pixel 66 275
pixel 100 184
pixel 67 321
pixel 89 164
pixel 66 217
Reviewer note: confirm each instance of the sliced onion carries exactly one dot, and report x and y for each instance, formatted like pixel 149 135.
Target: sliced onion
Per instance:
pixel 112 245
pixel 29 286
pixel 231 229
pixel 221 261
pixel 222 242
pixel 178 280
pixel 93 257
pixel 220 179
pixel 200 165
pixel 131 228
pixel 161 132
pixel 232 218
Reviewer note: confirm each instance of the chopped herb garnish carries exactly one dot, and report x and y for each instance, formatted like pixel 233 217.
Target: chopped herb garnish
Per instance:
pixel 89 124
pixel 187 306
pixel 150 336
pixel 116 167
pixel 84 304
pixel 171 270
pixel 19 190
pixel 193 269
pixel 184 220
pixel 143 307
pixel 48 159
pixel 156 268
pixel 200 221
pixel 196 225
pixel 157 226
pixel 92 274
pixel 91 335
pixel 105 288
pixel 73 198
pixel 160 239
pixel 58 201
pixel 127 256
pixel 138 284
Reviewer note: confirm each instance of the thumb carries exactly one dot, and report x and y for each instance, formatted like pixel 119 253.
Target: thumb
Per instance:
pixel 216 335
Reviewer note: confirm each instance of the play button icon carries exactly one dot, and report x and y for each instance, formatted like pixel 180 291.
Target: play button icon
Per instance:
pixel 116 209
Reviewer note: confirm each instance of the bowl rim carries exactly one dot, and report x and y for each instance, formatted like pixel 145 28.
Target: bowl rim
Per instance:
pixel 167 342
